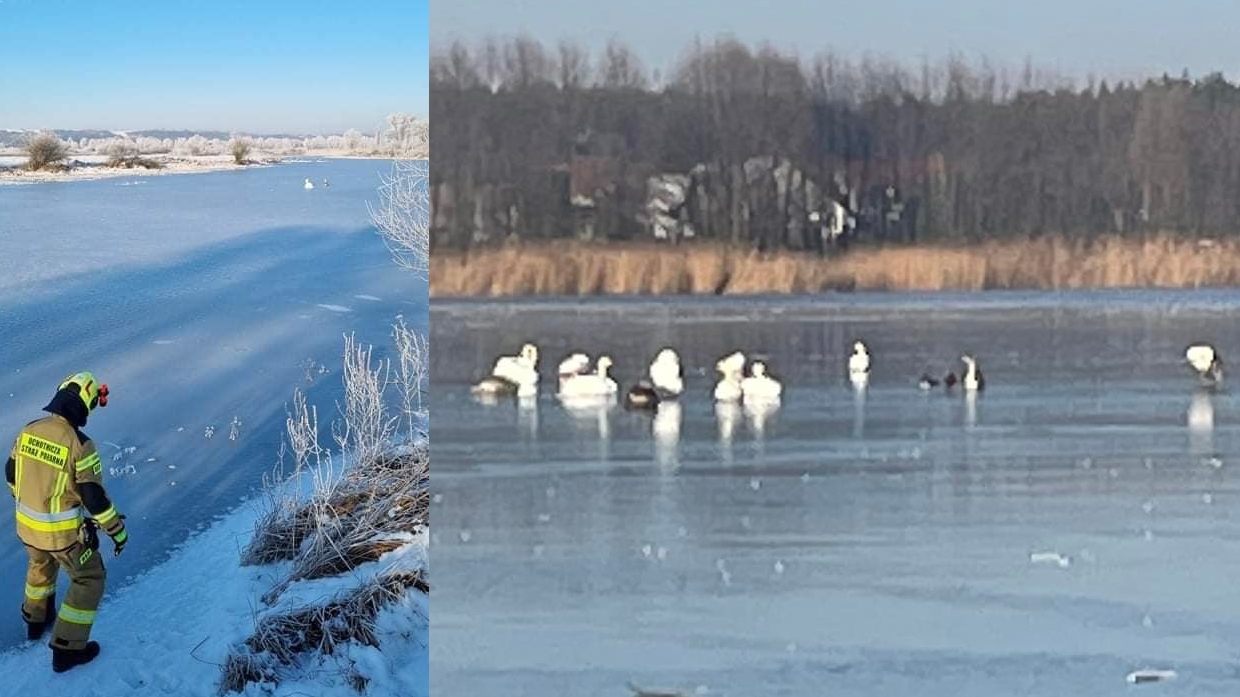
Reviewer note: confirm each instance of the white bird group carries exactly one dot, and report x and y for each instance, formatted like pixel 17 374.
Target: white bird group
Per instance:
pixel 578 380
pixel 734 387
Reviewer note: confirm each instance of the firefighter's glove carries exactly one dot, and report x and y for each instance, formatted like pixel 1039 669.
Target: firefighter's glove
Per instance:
pixel 119 538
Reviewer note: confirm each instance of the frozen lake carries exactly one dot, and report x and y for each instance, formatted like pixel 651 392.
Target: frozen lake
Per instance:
pixel 203 300
pixel 843 545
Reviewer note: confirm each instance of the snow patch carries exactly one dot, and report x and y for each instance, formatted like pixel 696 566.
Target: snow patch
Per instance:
pixel 169 630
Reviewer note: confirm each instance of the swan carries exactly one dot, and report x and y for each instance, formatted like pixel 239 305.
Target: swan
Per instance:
pixel 516 367
pixel 760 387
pixel 643 395
pixel 1206 361
pixel 525 386
pixel 973 380
pixel 596 384
pixel 494 386
pixel 859 361
pixel 575 364
pixel 728 388
pixel 308 185
pixel 521 371
pixel 928 383
pixel 666 373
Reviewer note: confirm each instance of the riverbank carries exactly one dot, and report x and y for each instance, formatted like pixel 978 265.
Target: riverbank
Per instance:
pixel 573 268
pixel 205 623
pixel 88 167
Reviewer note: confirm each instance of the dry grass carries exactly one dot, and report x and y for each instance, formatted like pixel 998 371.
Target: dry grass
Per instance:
pixel 281 640
pixel 368 513
pixel 1160 261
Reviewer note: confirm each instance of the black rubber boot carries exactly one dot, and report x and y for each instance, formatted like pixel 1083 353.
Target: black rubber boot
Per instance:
pixel 35 630
pixel 64 659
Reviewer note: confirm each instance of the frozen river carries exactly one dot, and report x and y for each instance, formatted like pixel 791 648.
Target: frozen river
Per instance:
pixel 203 300
pixel 874 544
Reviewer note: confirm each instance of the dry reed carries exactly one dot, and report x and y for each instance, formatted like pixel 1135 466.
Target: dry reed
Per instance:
pixel 574 268
pixel 370 512
pixel 280 640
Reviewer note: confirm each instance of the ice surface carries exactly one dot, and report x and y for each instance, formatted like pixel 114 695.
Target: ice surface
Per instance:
pixel 892 542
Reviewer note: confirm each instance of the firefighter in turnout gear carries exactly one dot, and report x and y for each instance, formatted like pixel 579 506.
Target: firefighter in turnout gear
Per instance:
pixel 56 476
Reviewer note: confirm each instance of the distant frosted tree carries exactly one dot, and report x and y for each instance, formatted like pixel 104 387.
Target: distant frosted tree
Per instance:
pixel 43 149
pixel 239 147
pixel 120 150
pixel 406 136
pixel 353 139
pixel 403 216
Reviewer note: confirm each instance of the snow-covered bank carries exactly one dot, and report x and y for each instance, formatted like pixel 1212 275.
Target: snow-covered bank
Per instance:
pixel 169 631
pixel 89 169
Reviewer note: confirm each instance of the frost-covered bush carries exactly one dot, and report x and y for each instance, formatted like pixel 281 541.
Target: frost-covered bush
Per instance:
pixel 44 149
pixel 403 217
pixel 239 148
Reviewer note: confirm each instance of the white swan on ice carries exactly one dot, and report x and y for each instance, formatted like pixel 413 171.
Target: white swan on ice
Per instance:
pixel 973 380
pixel 596 384
pixel 760 387
pixel 728 389
pixel 666 374
pixel 1206 361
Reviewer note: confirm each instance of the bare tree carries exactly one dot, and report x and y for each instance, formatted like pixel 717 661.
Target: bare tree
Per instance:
pixel 574 66
pixel 455 67
pixel 43 149
pixel 526 63
pixel 239 147
pixel 621 68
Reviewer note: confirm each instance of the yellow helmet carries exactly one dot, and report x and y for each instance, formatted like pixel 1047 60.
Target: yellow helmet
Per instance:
pixel 92 393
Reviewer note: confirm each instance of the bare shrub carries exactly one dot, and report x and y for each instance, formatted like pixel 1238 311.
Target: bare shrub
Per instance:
pixel 381 500
pixel 280 640
pixel 365 427
pixel 240 149
pixel 412 372
pixel 287 521
pixel 45 149
pixel 403 216
pixel 375 509
pixel 120 151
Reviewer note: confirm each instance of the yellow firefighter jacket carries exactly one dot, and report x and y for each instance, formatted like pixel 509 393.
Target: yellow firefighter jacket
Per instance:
pixel 51 459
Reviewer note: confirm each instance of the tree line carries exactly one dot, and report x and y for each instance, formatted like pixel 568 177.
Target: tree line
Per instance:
pixel 760 147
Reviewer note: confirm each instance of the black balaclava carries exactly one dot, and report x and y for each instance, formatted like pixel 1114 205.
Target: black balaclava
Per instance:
pixel 68 403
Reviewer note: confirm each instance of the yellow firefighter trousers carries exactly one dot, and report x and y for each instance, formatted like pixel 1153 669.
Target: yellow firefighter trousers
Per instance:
pixel 77 612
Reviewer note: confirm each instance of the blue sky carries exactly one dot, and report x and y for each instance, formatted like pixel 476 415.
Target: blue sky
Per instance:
pixel 261 66
pixel 1116 38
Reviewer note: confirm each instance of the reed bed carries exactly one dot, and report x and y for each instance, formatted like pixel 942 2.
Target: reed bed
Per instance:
pixel 575 268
